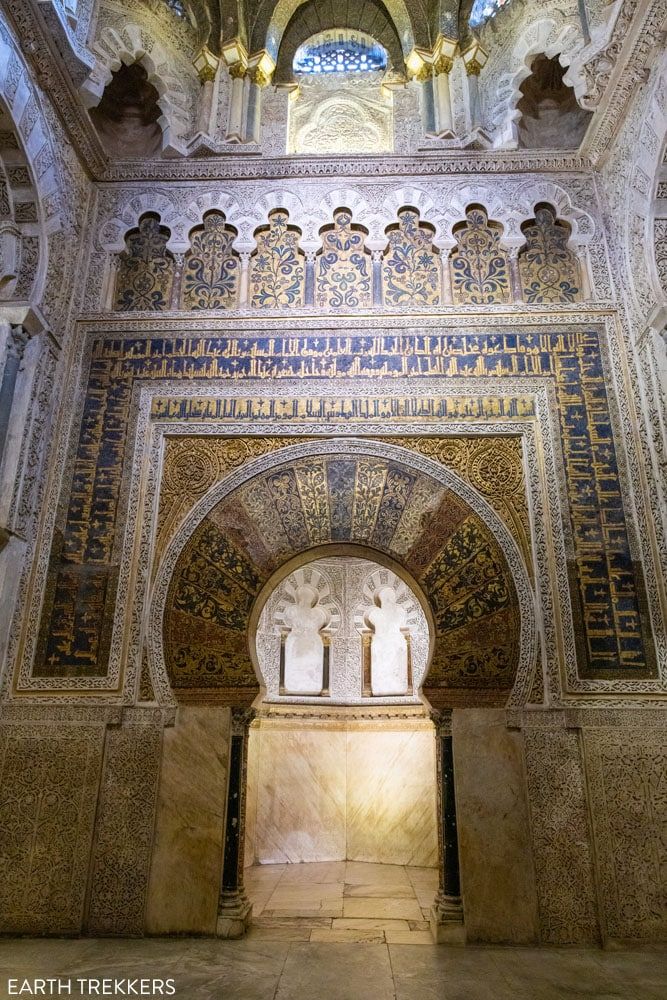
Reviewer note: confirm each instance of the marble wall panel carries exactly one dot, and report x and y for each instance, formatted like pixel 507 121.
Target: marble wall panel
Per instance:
pixel 495 852
pixel 627 780
pixel 186 868
pixel 49 776
pixel 562 847
pixel 327 791
pixel 301 805
pixel 391 815
pixel 125 826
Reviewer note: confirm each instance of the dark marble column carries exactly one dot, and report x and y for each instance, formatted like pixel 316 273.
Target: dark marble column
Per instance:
pixel 447 910
pixel 16 344
pixel 234 908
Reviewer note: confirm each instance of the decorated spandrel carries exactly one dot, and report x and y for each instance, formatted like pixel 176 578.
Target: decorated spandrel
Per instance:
pixel 145 269
pixel 410 266
pixel 479 265
pixel 549 271
pixel 277 272
pixel 343 268
pixel 211 269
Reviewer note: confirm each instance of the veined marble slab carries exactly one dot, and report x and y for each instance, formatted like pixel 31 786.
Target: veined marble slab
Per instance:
pixel 346 789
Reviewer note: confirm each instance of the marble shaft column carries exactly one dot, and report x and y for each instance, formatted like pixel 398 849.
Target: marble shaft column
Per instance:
pixel 234 908
pixel 447 910
pixel 309 290
pixel 444 121
pixel 235 125
pixel 205 108
pixel 16 342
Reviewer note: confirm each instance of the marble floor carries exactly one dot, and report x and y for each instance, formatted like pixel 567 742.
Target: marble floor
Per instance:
pixel 261 968
pixel 340 931
pixel 342 901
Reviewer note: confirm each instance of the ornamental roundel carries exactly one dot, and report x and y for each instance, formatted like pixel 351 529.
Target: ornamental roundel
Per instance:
pixel 493 470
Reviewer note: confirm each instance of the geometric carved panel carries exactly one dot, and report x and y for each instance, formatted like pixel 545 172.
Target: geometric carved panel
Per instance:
pixel 627 773
pixel 49 776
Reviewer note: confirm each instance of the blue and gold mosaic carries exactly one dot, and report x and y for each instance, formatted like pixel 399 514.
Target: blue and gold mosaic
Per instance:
pixel 211 269
pixel 145 274
pixel 480 266
pixel 607 586
pixel 460 566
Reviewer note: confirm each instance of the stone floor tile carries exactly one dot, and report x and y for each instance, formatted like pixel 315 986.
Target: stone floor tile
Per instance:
pixel 370 923
pixel 358 936
pixel 385 889
pixel 336 972
pixel 408 937
pixel 384 908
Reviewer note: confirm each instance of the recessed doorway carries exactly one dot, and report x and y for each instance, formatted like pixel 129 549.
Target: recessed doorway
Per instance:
pixel 341 837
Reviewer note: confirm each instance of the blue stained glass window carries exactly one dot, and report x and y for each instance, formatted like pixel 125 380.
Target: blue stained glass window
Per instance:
pixel 341 51
pixel 483 10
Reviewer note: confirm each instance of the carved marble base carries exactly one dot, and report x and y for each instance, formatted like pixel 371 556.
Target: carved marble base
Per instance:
pixel 234 915
pixel 446 921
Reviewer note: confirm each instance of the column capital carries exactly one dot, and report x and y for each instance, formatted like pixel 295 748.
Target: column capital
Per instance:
pixel 474 59
pixel 235 56
pixel 17 342
pixel 261 67
pixel 206 65
pixel 241 719
pixel 442 720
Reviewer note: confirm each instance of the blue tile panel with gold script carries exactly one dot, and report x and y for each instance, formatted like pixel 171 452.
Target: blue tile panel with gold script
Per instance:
pixel 450 551
pixel 479 266
pixel 410 265
pixel 606 583
pixel 145 274
pixel 211 268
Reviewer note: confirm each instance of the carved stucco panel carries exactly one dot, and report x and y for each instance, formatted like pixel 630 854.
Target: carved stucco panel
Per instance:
pixel 124 834
pixel 627 774
pixel 561 838
pixel 49 775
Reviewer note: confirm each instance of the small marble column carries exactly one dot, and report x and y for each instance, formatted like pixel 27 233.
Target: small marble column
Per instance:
pixel 206 65
pixel 235 129
pixel 447 911
pixel 234 908
pixel 444 122
pixel 244 280
pixel 376 257
pixel 16 341
pixel 472 76
pixel 309 290
pixel 179 263
pixel 515 275
pixel 427 97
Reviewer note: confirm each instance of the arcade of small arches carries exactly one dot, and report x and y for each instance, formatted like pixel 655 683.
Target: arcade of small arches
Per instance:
pixel 410 269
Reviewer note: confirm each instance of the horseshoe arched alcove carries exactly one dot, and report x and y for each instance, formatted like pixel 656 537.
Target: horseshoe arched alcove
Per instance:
pixel 337 772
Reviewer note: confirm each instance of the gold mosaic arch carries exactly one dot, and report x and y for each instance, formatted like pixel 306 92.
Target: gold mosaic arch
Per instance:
pixel 385 505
